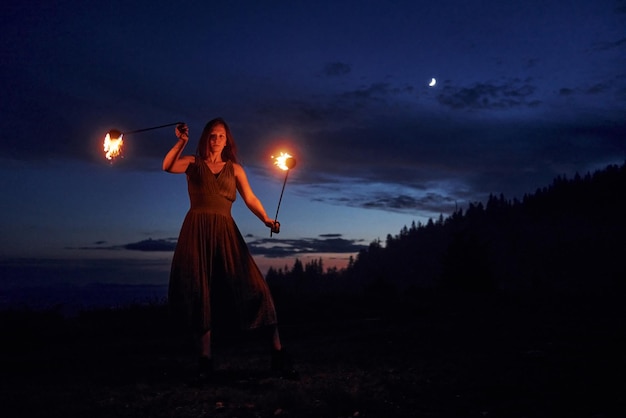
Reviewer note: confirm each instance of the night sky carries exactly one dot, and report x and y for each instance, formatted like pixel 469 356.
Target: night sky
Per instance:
pixel 525 91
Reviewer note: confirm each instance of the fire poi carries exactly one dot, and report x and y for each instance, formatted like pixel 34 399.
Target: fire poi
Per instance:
pixel 285 162
pixel 114 140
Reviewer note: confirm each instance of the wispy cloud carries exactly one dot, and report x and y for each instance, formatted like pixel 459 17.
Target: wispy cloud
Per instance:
pixel 514 94
pixel 328 243
pixel 334 69
pixel 148 245
pixel 605 46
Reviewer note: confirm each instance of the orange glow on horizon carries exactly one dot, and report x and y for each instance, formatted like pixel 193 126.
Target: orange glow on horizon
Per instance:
pixel 329 260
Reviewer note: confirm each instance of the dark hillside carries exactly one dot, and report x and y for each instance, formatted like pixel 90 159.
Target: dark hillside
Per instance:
pixel 568 236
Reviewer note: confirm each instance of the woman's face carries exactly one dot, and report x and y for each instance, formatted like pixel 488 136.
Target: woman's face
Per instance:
pixel 217 138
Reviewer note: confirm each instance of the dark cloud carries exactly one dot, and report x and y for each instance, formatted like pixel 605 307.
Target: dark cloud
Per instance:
pixel 598 88
pixel 393 202
pixel 606 46
pixel 329 243
pixel 490 96
pixel 373 92
pixel 595 89
pixel 402 161
pixel 429 204
pixel 149 245
pixel 152 245
pixel 334 69
pixel 326 243
pixel 531 63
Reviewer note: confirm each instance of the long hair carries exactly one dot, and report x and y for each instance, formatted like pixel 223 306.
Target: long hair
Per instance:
pixel 229 153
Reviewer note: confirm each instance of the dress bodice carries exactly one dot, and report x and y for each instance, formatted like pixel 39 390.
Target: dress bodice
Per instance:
pixel 209 192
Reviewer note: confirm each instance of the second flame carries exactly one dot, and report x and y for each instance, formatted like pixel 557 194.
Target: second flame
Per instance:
pixel 282 161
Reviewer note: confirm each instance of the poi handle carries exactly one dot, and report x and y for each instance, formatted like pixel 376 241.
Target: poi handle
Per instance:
pixel 275 229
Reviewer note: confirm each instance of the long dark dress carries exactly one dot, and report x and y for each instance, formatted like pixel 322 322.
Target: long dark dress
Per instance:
pixel 212 267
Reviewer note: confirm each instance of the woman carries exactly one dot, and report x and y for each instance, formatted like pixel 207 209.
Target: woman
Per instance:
pixel 212 268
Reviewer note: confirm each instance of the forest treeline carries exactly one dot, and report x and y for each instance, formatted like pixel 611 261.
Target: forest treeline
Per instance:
pixel 568 236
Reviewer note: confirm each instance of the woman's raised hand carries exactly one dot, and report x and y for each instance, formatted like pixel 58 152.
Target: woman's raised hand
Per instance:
pixel 182 131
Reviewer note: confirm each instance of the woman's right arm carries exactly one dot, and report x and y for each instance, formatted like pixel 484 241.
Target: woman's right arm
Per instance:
pixel 174 161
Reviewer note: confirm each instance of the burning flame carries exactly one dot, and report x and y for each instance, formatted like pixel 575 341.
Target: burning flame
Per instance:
pixel 113 146
pixel 284 161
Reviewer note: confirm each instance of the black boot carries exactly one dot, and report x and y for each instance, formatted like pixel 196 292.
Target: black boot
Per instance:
pixel 282 365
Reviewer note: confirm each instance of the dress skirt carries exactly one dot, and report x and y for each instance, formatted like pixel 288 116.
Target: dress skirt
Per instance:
pixel 213 275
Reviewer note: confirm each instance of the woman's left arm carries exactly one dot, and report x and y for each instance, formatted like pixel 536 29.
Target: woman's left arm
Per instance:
pixel 252 202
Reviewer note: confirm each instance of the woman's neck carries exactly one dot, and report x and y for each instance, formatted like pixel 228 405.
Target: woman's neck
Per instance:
pixel 214 158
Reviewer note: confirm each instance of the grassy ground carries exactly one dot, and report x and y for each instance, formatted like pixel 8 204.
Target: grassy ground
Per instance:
pixel 430 356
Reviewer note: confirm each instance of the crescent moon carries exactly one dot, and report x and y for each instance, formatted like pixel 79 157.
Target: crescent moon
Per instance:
pixel 432 83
